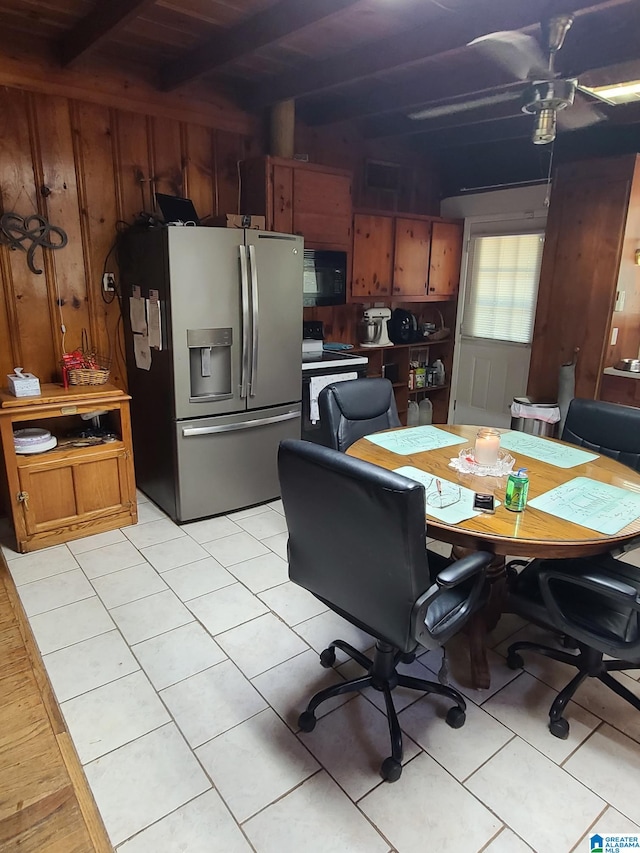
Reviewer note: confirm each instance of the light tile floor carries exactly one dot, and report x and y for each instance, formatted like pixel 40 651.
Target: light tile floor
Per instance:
pixel 182 656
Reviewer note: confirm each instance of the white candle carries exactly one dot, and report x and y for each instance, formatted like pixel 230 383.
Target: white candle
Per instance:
pixel 487 447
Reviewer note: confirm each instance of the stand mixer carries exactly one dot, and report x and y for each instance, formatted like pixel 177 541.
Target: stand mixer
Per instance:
pixel 379 337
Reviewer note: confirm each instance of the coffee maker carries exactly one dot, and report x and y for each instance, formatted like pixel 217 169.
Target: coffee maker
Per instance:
pixel 374 325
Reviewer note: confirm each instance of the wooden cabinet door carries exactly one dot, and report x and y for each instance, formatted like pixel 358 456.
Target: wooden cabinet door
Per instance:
pixel 411 267
pixel 74 487
pixel 372 255
pixel 322 207
pixel 446 254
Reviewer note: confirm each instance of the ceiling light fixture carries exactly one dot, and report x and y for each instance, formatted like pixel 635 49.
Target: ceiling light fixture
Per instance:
pixel 544 130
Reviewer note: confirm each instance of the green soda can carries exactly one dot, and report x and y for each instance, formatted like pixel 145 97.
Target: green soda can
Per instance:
pixel 515 497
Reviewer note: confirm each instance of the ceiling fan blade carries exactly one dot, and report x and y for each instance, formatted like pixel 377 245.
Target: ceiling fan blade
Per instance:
pixel 517 53
pixel 595 96
pixel 464 106
pixel 580 114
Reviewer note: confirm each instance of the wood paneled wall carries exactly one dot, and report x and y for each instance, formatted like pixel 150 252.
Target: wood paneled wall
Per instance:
pixel 85 167
pixel 87 148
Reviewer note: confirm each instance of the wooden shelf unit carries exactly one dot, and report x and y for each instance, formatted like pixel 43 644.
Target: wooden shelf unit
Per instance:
pixel 67 492
pixel 401 355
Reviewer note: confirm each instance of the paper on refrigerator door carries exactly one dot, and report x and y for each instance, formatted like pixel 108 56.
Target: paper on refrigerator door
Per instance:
pixel 142 352
pixel 153 316
pixel 316 385
pixel 137 313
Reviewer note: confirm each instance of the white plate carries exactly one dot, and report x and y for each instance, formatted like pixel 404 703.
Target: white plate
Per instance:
pixel 39 448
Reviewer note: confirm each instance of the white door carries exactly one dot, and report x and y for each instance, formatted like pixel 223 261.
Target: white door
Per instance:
pixel 493 345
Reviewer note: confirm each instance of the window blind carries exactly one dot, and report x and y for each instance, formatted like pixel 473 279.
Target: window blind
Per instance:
pixel 503 287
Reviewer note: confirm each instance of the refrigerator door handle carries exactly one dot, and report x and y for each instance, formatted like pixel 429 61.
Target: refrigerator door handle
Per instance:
pixel 211 430
pixel 244 300
pixel 253 267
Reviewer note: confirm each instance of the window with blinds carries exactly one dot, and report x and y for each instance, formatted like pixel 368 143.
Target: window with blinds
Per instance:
pixel 503 287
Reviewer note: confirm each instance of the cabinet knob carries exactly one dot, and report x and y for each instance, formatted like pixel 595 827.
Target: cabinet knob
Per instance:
pixel 23 497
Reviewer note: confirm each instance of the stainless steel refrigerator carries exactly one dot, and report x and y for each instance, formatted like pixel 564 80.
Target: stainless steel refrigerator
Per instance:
pixel 225 386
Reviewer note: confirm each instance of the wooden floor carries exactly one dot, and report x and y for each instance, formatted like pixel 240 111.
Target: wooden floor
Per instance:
pixel 45 802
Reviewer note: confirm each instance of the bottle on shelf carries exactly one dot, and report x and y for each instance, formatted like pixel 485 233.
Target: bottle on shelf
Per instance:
pixel 412 413
pixel 425 412
pixel 439 374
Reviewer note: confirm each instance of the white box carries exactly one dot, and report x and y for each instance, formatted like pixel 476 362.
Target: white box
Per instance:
pixel 23 384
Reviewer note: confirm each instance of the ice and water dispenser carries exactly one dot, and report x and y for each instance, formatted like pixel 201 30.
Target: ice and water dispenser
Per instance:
pixel 210 364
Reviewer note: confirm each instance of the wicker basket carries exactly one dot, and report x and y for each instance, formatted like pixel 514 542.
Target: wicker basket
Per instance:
pixel 88 375
pixel 441 333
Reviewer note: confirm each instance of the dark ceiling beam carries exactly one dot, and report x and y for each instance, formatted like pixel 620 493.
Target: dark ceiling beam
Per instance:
pixel 445 33
pixel 103 21
pixel 588 53
pixel 272 25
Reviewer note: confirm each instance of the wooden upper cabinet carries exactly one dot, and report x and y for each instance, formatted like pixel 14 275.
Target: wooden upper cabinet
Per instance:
pixel 446 255
pixel 372 255
pixel 411 267
pixel 299 198
pixel 322 207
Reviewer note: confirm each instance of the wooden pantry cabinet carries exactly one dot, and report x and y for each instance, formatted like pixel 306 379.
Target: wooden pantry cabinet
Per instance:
pixel 299 198
pixel 70 491
pixel 406 257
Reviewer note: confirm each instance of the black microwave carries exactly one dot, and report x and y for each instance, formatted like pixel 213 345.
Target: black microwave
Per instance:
pixel 325 278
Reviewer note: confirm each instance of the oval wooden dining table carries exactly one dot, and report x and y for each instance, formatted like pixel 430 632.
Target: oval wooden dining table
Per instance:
pixel 531 533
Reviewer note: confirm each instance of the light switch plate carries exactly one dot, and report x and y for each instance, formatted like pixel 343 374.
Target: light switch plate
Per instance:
pixel 614 336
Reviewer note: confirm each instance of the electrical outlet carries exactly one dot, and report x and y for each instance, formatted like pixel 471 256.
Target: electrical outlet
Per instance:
pixel 109 282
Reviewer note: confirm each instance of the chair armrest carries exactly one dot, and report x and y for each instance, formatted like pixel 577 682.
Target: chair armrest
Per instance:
pixel 593 580
pixel 432 628
pixel 626 547
pixel 599 582
pixel 463 569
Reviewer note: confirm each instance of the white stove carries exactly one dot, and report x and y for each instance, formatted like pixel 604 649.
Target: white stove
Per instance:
pixel 324 361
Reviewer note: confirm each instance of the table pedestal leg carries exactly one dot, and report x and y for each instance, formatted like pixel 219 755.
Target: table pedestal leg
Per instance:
pixel 485 619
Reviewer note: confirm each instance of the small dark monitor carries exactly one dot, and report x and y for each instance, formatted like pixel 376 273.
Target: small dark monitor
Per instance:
pixel 176 209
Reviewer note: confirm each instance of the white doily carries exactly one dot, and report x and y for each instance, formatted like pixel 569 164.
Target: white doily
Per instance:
pixel 466 464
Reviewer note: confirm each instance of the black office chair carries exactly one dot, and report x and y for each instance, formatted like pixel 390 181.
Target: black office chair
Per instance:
pixel 349 410
pixel 596 602
pixel 357 542
pixel 606 428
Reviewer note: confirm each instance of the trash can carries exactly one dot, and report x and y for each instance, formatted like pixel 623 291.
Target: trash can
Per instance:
pixel 536 418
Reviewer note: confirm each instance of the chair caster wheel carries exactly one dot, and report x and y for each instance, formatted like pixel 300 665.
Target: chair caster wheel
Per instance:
pixel 514 660
pixel 456 717
pixel 307 721
pixel 559 728
pixel 391 770
pixel 407 657
pixel 328 657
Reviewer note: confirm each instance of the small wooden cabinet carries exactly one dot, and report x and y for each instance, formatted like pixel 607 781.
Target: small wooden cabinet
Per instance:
pixel 70 491
pixel 445 259
pixel 412 250
pixel 372 256
pixel 414 258
pixel 299 198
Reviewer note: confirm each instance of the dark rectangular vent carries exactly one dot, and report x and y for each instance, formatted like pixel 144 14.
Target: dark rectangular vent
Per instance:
pixel 382 176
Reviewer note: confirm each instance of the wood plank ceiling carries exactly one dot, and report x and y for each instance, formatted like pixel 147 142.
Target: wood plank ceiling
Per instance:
pixel 370 60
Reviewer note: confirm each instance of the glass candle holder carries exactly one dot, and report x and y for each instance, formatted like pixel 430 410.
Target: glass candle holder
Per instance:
pixel 487 446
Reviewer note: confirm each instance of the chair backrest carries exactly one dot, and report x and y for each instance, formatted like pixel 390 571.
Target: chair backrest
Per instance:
pixel 606 428
pixel 350 410
pixel 356 537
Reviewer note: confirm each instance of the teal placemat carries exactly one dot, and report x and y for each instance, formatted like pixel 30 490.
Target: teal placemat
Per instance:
pixel 452 514
pixel 415 440
pixel 560 455
pixel 598 506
